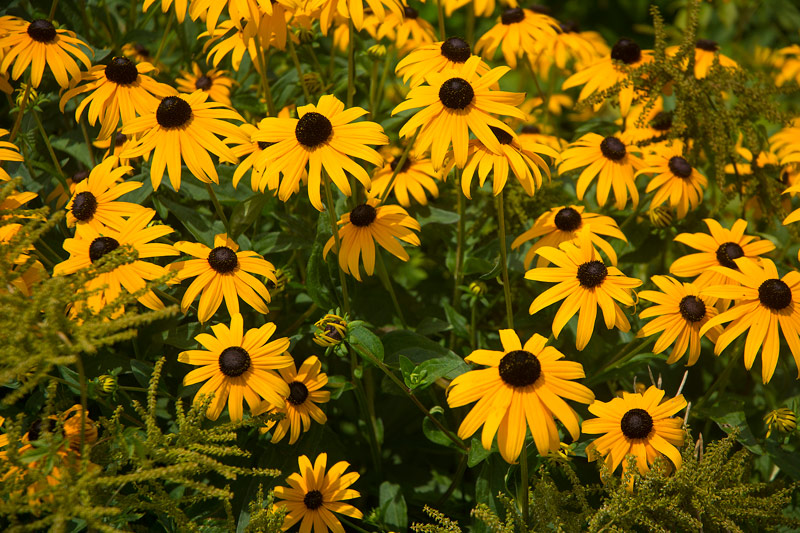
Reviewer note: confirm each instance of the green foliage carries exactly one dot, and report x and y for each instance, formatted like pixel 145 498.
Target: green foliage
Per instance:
pixel 264 517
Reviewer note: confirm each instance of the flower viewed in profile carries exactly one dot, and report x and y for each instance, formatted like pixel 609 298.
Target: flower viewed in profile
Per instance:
pixel 301 404
pixel 407 30
pixel 676 181
pixel 437 57
pixel 641 425
pixel 783 419
pixel 223 272
pixel 562 224
pixel 610 160
pixel 94 201
pixel 679 313
pixel 416 176
pixel 238 365
pixel 706 53
pixel 37 44
pixel 89 245
pixel 120 90
pixel 524 387
pixel 584 283
pixel 216 83
pixel 456 102
pixel 314 495
pixel 354 10
pixel 183 128
pixel 517 31
pixel 764 301
pixel 569 43
pixel 330 330
pixel 367 224
pixel 323 137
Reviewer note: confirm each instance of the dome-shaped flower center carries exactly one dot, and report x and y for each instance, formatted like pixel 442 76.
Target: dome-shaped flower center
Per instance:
pixel 313 500
pixel 569 27
pixel 531 128
pixel 626 51
pixel 222 259
pixel 613 148
pixel 84 206
pixel 121 71
pixel 333 333
pixel 512 16
pixel 680 167
pixel 42 31
pixel 36 428
pixel 775 294
pixel 727 252
pixel 79 176
pixel 396 161
pixel 503 137
pixel 234 361
pixel 120 139
pixel 141 50
pixel 636 424
pixel 410 12
pixel 173 112
pixel 592 274
pixel 568 219
pixel 662 121
pixel 456 50
pixel 203 83
pixel 692 308
pixel 456 93
pixel 102 246
pixel 520 368
pixel 298 393
pixel 363 215
pixel 313 129
pixel 706 44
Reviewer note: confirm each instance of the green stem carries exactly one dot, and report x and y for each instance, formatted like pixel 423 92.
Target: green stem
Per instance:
pixel 52 153
pixel 218 208
pixel 332 219
pixel 459 242
pixel 398 167
pixel 89 142
pixel 440 13
pixel 387 63
pixel 523 492
pixel 462 466
pixel 387 282
pixel 163 40
pixel 296 61
pixel 470 22
pixel 363 406
pixel 351 64
pixel 263 64
pixel 473 325
pixel 501 233
pixel 373 89
pixel 628 352
pixel 52 10
pixel 21 112
pixel 351 525
pixel 722 379
pixel 84 401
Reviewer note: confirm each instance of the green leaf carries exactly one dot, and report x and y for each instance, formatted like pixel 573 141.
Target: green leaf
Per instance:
pixel 434 434
pixel 393 510
pixel 457 320
pixel 365 343
pixel 437 216
pixel 728 419
pixel 245 213
pixel 142 372
pixel 477 453
pixel 318 281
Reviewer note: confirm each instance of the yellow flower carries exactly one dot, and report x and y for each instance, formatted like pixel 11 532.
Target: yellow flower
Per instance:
pixel 783 419
pixel 436 57
pixel 705 53
pixel 416 176
pixel 407 30
pixel 216 83
pixel 518 31
pixel 8 152
pixel 676 181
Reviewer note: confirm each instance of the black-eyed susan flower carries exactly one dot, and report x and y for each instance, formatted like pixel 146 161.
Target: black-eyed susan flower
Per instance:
pixel 706 52
pixel 138 53
pixel 783 419
pixel 8 152
pixel 89 246
pixel 314 495
pixel 74 431
pixel 456 102
pixel 610 160
pixel 354 10
pixel 764 301
pixel 584 283
pixel 437 57
pixel 516 32
pixel 3 438
pixel 59 196
pixel 641 425
pixel 262 177
pixel 483 8
pixel 120 90
pixel 721 247
pixel 371 223
pixel 532 133
pixel 238 365
pixel 522 159
pixel 37 44
pixel 183 128
pixel 330 330
pixel 301 404
pixel 120 144
pixel 235 39
pixel 95 200
pixel 223 272
pixel 675 180
pixel 524 387
pixel 568 44
pixel 216 83
pixel 678 315
pixel 610 70
pixel 407 30
pixel 323 137
pixel 414 178
pixel 210 10
pixel 180 7
pixel 562 224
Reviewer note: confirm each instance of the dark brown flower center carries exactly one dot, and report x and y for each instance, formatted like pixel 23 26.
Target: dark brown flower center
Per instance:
pixel 707 44
pixel 79 176
pixel 456 50
pixel 410 12
pixel 313 129
pixel 727 252
pixel 568 219
pixel 333 332
pixel 569 27
pixel 121 71
pixel 627 51
pixel 512 16
pixel 592 274
pixel 396 161
pixel 456 93
pixel 313 500
pixel 42 31
pixel 775 294
pixel 234 361
pixel 363 215
pixel 636 424
pixel 692 308
pixel 84 206
pixel 141 50
pixel 102 246
pixel 502 135
pixel 520 368
pixel 298 393
pixel 203 83
pixel 680 167
pixel 662 121
pixel 613 148
pixel 36 428
pixel 222 259
pixel 173 112
pixel 531 128
pixel 120 139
